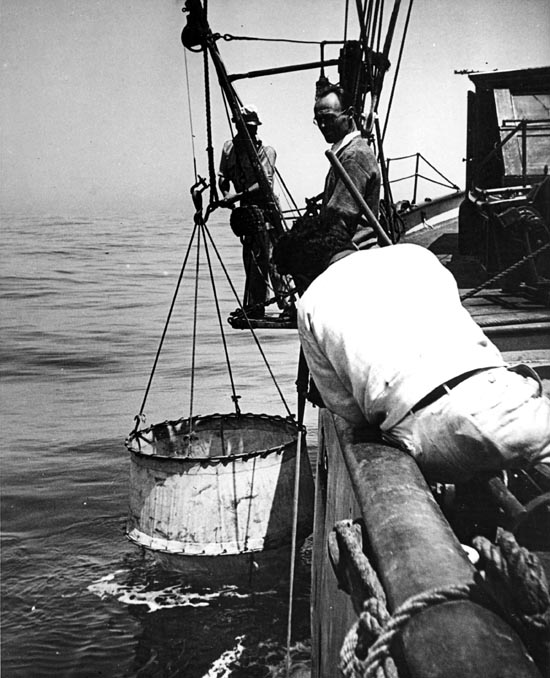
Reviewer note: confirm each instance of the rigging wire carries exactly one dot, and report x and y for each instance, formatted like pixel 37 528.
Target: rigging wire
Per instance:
pixel 380 24
pixel 190 116
pixel 346 16
pixel 210 147
pixel 372 22
pixel 260 349
pixel 194 341
pixel 228 37
pixel 235 397
pixel 178 284
pixel 402 47
pixel 290 197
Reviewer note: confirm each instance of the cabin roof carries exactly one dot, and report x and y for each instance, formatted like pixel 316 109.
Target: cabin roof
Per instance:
pixel 520 79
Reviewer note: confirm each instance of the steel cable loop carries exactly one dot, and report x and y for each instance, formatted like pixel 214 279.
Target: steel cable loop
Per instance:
pixel 235 397
pixel 500 275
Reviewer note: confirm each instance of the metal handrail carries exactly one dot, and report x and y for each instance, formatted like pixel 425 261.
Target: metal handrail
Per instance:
pixel 417 175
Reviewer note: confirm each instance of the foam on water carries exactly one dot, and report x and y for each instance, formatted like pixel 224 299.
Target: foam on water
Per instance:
pixel 112 585
pixel 221 668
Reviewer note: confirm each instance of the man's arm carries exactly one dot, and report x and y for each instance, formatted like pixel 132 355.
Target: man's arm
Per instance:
pixel 340 209
pixel 336 397
pixel 268 163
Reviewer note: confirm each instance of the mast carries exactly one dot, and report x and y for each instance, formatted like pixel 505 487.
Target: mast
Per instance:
pixel 197 33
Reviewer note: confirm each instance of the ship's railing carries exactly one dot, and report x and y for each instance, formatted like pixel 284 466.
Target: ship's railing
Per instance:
pixel 378 493
pixel 417 175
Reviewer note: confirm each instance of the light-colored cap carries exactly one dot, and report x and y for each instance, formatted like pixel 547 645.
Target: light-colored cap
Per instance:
pixel 250 115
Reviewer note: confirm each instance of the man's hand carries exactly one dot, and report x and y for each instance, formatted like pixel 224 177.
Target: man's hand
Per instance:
pixel 229 200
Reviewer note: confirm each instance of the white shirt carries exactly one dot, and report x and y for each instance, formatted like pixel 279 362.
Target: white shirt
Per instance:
pixel 344 141
pixel 380 329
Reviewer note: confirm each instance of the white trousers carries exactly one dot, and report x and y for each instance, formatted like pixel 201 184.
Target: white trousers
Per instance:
pixel 493 420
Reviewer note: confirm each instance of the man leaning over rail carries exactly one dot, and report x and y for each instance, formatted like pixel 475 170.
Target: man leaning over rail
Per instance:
pixel 388 342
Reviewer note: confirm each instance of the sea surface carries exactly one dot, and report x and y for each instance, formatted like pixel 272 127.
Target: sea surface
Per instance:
pixel 83 304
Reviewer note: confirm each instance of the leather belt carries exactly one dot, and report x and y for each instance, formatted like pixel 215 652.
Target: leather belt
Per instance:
pixel 447 386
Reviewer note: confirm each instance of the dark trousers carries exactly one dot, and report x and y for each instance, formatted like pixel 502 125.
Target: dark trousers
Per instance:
pixel 256 251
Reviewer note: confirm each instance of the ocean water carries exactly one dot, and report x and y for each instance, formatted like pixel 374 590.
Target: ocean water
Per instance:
pixel 83 304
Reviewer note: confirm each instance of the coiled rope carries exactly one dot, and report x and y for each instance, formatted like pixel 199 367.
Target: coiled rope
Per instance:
pixel 366 651
pixel 517 579
pixel 513 577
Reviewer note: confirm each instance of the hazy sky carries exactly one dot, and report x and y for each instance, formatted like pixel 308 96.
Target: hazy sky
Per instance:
pixel 94 101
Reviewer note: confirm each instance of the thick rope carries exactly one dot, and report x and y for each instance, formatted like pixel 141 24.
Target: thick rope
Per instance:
pixel 500 275
pixel 517 579
pixel 376 623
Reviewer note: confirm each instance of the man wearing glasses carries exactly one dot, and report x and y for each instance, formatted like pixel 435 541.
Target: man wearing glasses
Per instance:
pixel 339 210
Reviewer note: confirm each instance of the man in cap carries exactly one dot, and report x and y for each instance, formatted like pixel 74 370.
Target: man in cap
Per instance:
pixel 336 122
pixel 248 220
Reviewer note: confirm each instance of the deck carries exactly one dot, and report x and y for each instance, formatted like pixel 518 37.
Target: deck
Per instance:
pixel 513 322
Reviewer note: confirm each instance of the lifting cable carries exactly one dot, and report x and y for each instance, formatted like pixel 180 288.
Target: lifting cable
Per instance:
pixel 199 229
pixel 194 341
pixel 256 340
pixel 303 375
pixel 234 397
pixel 178 284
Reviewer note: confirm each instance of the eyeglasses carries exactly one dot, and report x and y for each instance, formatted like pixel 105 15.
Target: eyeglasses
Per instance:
pixel 327 119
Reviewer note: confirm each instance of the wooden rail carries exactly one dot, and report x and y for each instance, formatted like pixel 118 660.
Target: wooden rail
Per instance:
pixel 413 550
